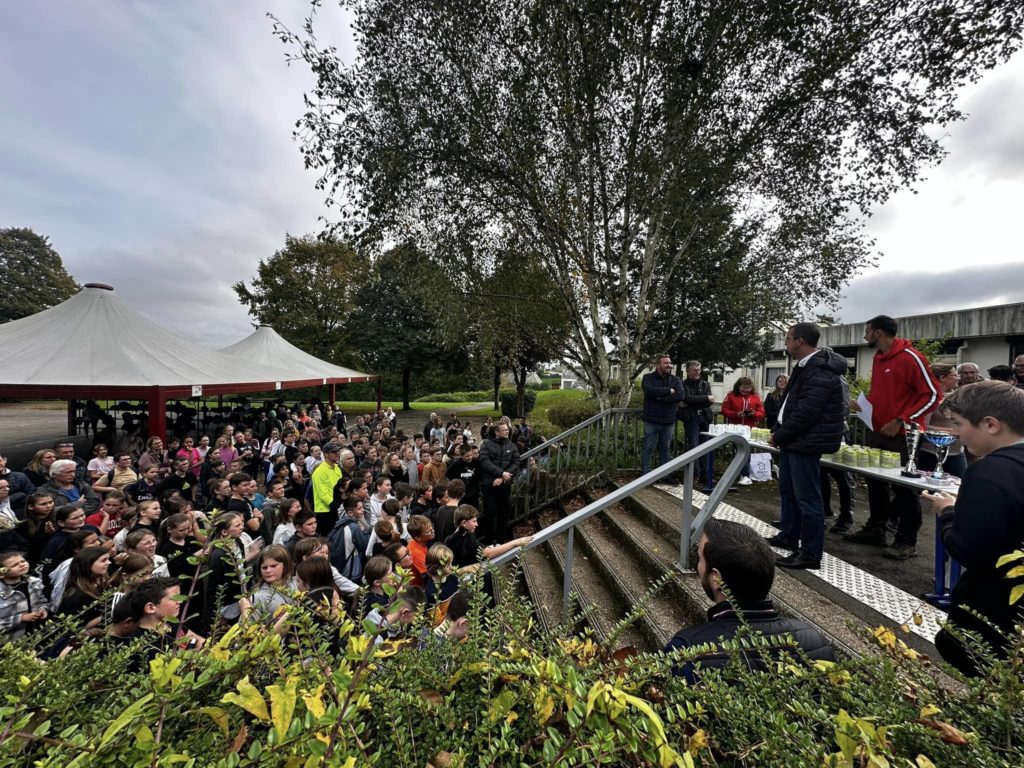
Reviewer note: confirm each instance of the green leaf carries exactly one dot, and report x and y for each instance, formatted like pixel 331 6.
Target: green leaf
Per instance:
pixel 133 711
pixel 1016 594
pixel 219 716
pixel 1010 558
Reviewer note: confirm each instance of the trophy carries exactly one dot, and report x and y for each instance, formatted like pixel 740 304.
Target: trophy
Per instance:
pixel 913 435
pixel 941 441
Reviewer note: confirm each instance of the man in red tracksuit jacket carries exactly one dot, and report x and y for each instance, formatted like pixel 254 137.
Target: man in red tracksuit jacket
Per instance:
pixel 903 389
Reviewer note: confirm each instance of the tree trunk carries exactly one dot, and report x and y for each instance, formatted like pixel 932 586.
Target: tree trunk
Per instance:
pixel 497 385
pixel 406 376
pixel 519 374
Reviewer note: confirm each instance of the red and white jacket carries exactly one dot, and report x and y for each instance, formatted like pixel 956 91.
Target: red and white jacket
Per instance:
pixel 902 386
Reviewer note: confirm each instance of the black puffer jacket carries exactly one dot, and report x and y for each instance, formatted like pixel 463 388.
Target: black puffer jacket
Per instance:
pixel 762 616
pixel 815 408
pixel 497 456
pixel 662 395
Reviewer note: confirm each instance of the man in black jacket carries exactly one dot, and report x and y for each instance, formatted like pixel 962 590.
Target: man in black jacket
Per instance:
pixel 733 555
pixel 499 463
pixel 662 394
pixel 810 423
pixel 987 520
pixel 695 412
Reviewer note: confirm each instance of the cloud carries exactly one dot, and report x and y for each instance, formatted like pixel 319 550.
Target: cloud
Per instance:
pixel 902 293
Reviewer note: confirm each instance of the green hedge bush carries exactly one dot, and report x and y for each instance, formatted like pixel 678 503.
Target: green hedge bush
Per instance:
pixel 475 396
pixel 510 402
pixel 507 696
pixel 569 413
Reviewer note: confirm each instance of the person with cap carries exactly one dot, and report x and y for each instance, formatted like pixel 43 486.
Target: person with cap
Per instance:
pixel 325 477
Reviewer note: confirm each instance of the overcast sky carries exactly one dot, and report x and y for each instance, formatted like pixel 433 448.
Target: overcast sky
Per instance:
pixel 152 142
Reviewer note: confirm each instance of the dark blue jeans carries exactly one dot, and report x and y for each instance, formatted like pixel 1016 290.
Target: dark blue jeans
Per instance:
pixel 803 515
pixel 662 435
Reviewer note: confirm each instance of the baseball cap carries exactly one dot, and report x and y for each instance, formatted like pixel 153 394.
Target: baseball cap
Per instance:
pixel 331 448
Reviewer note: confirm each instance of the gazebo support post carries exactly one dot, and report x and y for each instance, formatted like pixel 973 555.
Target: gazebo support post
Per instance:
pixel 72 407
pixel 332 393
pixel 380 390
pixel 158 413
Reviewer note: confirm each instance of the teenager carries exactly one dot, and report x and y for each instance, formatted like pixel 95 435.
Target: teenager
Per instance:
pixel 146 517
pixel 23 605
pixel 146 487
pixel 985 521
pixel 287 511
pixel 274 570
pixel 86 581
pixel 421 531
pixel 464 545
pixel 110 517
pixel 57 579
pixel 392 623
pixel 143 541
pixel 305 527
pixel 441 581
pixel 376 501
pixel 379 572
pixel 226 571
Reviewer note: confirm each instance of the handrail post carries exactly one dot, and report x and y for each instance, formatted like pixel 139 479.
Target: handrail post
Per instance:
pixel 567 575
pixel 684 533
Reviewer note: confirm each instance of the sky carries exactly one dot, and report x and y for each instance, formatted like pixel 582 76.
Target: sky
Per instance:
pixel 151 141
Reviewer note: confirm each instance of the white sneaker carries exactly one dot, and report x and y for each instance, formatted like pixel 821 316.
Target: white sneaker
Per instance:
pixel 746 481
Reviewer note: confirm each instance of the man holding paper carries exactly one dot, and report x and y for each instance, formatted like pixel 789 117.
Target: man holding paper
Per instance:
pixel 903 389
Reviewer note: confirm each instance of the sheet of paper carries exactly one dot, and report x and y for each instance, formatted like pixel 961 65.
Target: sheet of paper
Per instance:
pixel 864 414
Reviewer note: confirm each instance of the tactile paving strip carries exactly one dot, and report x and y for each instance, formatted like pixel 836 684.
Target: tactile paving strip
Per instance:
pixel 888 600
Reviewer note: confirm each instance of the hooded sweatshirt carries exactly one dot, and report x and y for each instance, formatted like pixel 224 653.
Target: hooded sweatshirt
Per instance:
pixel 902 386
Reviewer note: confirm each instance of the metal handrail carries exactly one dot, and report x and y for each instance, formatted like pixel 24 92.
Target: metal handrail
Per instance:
pixel 554 441
pixel 691 527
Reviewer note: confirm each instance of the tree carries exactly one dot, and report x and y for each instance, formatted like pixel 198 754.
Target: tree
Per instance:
pixel 32 274
pixel 633 146
pixel 394 326
pixel 305 291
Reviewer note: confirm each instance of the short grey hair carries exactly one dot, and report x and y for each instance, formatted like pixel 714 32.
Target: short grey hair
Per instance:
pixel 60 465
pixel 693 364
pixel 960 368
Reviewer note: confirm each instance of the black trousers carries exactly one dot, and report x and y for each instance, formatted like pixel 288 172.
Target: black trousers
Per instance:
pixel 497 517
pixel 887 501
pixel 842 479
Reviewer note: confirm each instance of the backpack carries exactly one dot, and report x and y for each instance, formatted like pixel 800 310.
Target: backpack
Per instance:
pixel 351 567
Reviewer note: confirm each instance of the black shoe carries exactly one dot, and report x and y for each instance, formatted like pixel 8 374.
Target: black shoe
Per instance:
pixel 798 561
pixel 900 551
pixel 892 526
pixel 778 540
pixel 868 535
pixel 776 524
pixel 843 525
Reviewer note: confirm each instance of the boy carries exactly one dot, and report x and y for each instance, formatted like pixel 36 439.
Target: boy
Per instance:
pixel 444 524
pixel 464 544
pixel 421 531
pixel 392 623
pixel 305 528
pixel 987 519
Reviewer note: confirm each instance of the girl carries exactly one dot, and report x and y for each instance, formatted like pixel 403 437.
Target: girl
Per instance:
pixel 378 572
pixel 146 517
pixel 58 577
pixel 317 547
pixel 286 512
pixel 226 571
pixel 441 582
pixel 743 405
pixel 773 400
pixel 273 576
pixel 22 603
pixel 142 541
pixel 395 469
pixel 189 451
pixel 135 569
pixel 224 450
pixel 100 464
pixel 313 579
pixel 86 582
pixel 382 535
pixel 155 456
pixel 203 448
pixel 38 470
pixel 37 527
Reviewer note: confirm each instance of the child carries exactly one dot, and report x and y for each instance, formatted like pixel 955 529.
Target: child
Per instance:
pixel 392 622
pixel 287 511
pixel 146 517
pixel 142 542
pixel 986 519
pixel 464 544
pixel 422 532
pixel 305 528
pixel 455 626
pixel 22 603
pixel 444 524
pixel 422 504
pixel 441 581
pixel 382 494
pixel 273 576
pixel 383 533
pixel 378 572
pixel 109 518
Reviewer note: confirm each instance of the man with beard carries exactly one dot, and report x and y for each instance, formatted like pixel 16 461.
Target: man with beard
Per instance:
pixel 734 558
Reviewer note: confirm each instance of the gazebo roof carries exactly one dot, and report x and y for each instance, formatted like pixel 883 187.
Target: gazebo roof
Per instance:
pixel 96 345
pixel 267 347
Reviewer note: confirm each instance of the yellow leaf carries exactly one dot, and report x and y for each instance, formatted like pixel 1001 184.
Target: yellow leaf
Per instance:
pixel 143 735
pixel 282 704
pixel 1016 594
pixel 314 701
pixel 697 742
pixel 918 619
pixel 249 699
pixel 1013 573
pixel 219 716
pixel 1010 558
pixel 929 710
pixel 923 762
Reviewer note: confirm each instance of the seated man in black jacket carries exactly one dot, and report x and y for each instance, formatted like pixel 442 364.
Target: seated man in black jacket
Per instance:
pixel 987 520
pixel 734 555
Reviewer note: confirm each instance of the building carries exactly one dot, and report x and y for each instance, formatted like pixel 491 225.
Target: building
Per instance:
pixel 985 336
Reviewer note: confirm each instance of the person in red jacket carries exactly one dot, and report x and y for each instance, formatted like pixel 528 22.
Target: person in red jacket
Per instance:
pixel 903 389
pixel 743 405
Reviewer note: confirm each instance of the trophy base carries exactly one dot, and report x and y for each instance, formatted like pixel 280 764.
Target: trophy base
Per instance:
pixel 909 473
pixel 944 481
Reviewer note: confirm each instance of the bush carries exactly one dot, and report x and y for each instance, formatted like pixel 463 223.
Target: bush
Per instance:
pixel 509 402
pixel 569 413
pixel 477 396
pixel 508 695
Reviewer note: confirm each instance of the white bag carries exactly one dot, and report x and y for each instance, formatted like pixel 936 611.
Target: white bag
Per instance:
pixel 760 466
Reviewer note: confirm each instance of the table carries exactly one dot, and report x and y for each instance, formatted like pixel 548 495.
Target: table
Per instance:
pixel 947 570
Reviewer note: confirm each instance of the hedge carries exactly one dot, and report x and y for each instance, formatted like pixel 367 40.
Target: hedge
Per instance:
pixel 510 402
pixel 509 695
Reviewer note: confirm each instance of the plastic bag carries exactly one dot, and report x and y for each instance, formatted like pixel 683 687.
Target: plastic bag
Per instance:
pixel 760 467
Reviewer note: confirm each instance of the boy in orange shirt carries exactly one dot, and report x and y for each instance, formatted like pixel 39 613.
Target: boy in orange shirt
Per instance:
pixel 421 533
